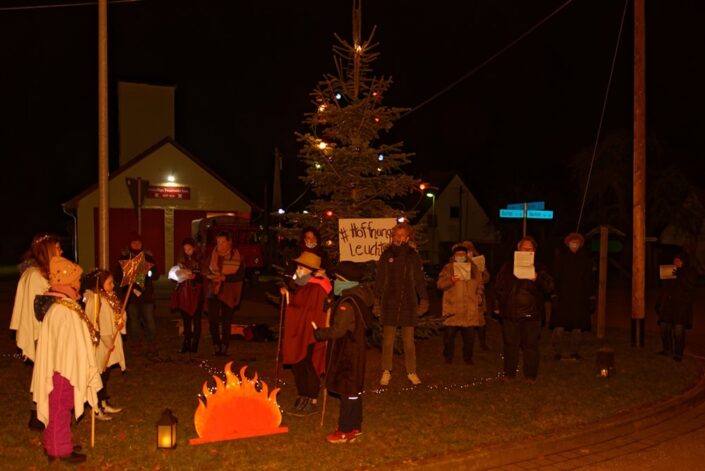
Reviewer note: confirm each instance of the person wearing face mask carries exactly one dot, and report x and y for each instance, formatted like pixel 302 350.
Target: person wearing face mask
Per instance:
pixel 520 305
pixel 674 306
pixel 462 284
pixel 346 355
pixel 575 295
pixel 310 241
pixel 65 373
pixel 400 288
pixel 300 351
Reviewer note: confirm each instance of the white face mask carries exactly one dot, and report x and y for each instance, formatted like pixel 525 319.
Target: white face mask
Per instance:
pixel 310 245
pixel 461 259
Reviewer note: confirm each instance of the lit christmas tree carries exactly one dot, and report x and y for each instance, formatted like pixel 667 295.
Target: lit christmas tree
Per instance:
pixel 350 172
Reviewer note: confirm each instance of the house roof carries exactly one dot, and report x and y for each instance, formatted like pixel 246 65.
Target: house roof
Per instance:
pixel 73 202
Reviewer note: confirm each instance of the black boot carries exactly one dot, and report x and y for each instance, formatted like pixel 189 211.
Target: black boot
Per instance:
pixel 186 346
pixel 218 350
pixel 194 346
pixel 482 335
pixel 34 422
pixel 225 349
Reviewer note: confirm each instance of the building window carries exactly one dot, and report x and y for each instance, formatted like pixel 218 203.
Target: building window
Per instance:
pixel 454 212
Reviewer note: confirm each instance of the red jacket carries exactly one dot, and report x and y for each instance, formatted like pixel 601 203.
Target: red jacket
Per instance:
pixel 305 306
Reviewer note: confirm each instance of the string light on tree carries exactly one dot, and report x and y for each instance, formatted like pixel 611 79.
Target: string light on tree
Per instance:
pixel 361 173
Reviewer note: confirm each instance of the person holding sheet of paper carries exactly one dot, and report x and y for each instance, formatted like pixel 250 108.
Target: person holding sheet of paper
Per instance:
pixel 675 306
pixel 462 283
pixel 479 261
pixel 521 290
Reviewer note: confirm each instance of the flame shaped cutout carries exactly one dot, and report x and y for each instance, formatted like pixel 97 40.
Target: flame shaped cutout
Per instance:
pixel 236 409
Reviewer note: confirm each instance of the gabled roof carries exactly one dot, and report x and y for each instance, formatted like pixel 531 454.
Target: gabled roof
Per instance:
pixel 73 202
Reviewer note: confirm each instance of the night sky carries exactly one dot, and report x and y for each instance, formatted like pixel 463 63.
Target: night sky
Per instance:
pixel 244 69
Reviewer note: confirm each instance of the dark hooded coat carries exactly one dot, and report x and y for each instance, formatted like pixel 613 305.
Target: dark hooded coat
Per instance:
pixel 675 301
pixel 351 318
pixel 572 273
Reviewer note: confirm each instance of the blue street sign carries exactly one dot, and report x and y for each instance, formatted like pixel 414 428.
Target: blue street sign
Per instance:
pixel 511 213
pixel 539 214
pixel 530 214
pixel 529 205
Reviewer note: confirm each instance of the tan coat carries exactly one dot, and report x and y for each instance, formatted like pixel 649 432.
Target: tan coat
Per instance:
pixel 463 301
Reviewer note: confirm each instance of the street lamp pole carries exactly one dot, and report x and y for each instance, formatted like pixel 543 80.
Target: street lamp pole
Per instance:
pixel 434 244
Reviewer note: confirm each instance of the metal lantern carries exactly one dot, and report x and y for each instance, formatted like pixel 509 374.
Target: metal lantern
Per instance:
pixel 166 430
pixel 604 365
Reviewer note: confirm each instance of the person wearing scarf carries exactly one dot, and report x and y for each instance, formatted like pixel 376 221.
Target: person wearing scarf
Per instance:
pixel 65 373
pixel 226 274
pixel 299 346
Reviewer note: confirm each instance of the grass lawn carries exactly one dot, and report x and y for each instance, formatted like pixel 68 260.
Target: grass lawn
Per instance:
pixel 457 407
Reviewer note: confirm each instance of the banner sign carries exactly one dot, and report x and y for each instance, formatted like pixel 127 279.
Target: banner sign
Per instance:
pixel 362 240
pixel 169 192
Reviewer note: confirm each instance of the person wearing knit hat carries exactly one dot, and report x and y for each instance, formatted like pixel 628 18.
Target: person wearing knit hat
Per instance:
pixel 575 295
pixel 65 374
pixel 462 283
pixel 473 254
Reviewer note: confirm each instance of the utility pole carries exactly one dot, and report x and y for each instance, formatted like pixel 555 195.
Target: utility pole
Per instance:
pixel 103 197
pixel 639 209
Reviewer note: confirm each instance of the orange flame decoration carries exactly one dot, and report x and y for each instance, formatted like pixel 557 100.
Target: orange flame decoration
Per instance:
pixel 236 409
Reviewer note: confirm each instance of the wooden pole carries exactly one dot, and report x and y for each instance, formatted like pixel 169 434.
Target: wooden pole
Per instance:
pixel 639 210
pixel 103 196
pixel 96 315
pixel 602 284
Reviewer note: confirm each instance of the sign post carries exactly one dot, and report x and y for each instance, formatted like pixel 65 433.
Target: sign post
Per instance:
pixel 524 211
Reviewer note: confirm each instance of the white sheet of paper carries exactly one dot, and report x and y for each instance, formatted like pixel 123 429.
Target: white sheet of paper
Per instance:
pixel 462 270
pixel 666 272
pixel 524 265
pixel 479 262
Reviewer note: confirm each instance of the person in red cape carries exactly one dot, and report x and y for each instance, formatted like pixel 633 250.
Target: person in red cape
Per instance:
pixel 300 350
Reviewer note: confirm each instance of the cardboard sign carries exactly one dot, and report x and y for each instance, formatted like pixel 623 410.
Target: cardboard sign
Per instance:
pixel 362 240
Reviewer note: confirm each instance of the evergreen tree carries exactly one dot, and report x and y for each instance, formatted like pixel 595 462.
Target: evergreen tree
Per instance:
pixel 350 172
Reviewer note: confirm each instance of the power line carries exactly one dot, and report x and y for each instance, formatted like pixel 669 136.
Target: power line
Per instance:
pixel 488 60
pixel 64 5
pixel 602 116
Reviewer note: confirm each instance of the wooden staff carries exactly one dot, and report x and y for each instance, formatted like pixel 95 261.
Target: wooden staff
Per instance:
pixel 96 305
pixel 124 306
pixel 325 387
pixel 282 303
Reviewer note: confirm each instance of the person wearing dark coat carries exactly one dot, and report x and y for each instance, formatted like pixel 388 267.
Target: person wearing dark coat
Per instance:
pixel 345 368
pixel 675 307
pixel 400 287
pixel 520 305
pixel 140 306
pixel 571 307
